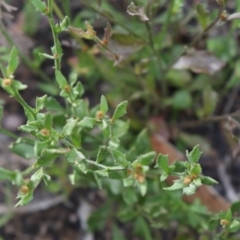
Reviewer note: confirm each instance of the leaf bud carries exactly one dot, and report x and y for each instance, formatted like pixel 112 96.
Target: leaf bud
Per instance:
pixel 224 222
pixel 24 189
pixel 187 180
pixel 7 82
pixel 45 132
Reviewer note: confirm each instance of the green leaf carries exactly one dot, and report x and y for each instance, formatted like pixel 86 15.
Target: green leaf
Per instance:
pixel 190 190
pixel 120 110
pixel 163 177
pixel 120 128
pixel 68 128
pixel 235 207
pixel 197 182
pixel 178 184
pixel 25 198
pixel 102 173
pixel 228 215
pixel 78 90
pixel 202 15
pixel 142 229
pixel 162 162
pixel 23 149
pixel 120 157
pixel 61 80
pixel 14 177
pixel 18 85
pixel 39 147
pixel 194 155
pixel 208 180
pixel 129 196
pixel 37 177
pixel 103 105
pixel 117 233
pixel 143 188
pixel 210 99
pixel 75 156
pixel 39 5
pixel 48 121
pixel 45 55
pixel 234 226
pixel 182 99
pixel 103 153
pixel 147 158
pixel 64 24
pixel 197 169
pixel 41 102
pixel 13 62
pixel 87 122
pixel 127 182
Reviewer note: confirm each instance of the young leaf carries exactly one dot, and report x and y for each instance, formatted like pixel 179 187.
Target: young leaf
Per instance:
pixel 39 5
pixel 87 122
pixel 68 128
pixel 129 196
pixel 147 158
pixel 61 80
pixel 41 102
pixel 119 157
pixel 163 177
pixel 143 188
pixel 234 226
pixel 194 155
pixel 162 162
pixel 37 177
pixel 64 24
pixel 120 110
pixel 208 180
pixel 178 184
pixel 14 177
pixel 13 62
pixel 103 152
pixel 103 105
pixel 228 215
pixel 189 190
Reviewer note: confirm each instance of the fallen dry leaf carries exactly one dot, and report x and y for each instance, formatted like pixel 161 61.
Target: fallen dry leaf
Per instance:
pixel 199 62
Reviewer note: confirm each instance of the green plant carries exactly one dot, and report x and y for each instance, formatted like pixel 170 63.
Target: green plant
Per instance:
pixel 90 140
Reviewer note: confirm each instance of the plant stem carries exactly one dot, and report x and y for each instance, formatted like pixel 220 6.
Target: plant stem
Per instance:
pixel 26 107
pixel 57 46
pixel 210 119
pixel 114 168
pixel 57 10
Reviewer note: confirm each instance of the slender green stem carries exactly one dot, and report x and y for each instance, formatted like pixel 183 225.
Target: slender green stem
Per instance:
pixel 114 168
pixel 8 133
pixel 26 107
pixel 57 46
pixel 25 59
pixel 57 10
pixel 166 24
